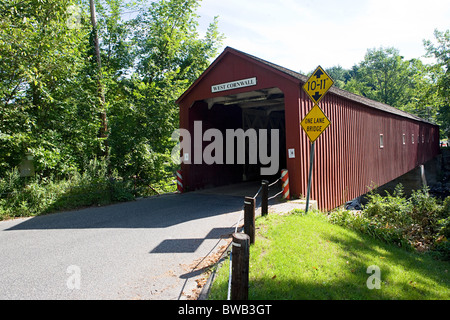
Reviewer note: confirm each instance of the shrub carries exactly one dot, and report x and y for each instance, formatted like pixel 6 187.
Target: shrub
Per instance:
pixel 26 197
pixel 120 190
pixel 21 197
pixel 392 209
pixel 442 239
pixel 420 221
pixel 425 209
pixel 95 186
pixel 350 219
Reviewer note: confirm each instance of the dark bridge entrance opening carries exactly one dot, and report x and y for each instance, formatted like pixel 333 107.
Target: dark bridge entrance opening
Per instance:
pixel 246 122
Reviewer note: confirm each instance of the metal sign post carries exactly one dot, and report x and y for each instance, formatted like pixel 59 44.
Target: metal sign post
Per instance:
pixel 315 121
pixel 311 161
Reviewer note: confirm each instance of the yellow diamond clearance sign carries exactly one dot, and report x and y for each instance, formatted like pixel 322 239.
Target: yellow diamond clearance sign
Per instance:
pixel 318 84
pixel 315 123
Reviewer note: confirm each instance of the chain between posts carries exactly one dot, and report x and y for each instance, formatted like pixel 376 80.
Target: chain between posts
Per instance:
pixel 239 254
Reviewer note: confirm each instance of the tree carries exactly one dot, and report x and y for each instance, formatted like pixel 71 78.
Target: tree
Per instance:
pixel 441 76
pixel 339 75
pixel 422 97
pixel 101 93
pixel 383 76
pixel 44 95
pixel 49 99
pixel 418 88
pixel 164 54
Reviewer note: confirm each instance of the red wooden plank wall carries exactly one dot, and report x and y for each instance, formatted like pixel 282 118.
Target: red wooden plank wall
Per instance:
pixel 348 156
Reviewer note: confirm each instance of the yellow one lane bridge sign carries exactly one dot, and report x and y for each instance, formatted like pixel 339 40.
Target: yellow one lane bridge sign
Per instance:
pixel 315 123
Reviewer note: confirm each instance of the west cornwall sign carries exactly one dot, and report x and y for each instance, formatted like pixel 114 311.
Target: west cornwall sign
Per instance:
pixel 234 85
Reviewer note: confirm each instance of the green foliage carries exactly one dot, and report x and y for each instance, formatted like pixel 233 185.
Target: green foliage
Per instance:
pixel 168 56
pixel 391 209
pixel 35 196
pixel 24 198
pixel 353 220
pixel 419 221
pixel 441 244
pixel 339 75
pixel 164 54
pixel 383 75
pixel 44 92
pixel 386 76
pixel 440 73
pixel 49 100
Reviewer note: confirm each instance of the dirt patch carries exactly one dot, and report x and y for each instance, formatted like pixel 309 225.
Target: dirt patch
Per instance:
pixel 203 268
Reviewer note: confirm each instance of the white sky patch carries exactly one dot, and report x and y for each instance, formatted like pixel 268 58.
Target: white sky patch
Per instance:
pixel 301 34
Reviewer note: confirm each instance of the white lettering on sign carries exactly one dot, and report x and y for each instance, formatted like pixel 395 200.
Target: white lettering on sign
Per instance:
pixel 234 85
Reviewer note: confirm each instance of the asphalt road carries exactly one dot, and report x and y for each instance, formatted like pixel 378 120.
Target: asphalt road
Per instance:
pixel 143 249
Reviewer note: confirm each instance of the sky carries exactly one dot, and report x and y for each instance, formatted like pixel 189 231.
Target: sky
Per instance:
pixel 302 34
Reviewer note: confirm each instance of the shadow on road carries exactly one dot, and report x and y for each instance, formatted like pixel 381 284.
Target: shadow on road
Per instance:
pixel 190 245
pixel 158 212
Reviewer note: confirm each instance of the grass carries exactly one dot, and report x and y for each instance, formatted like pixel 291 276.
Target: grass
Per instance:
pixel 306 257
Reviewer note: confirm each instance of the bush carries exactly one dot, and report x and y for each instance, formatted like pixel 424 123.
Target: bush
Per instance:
pixel 389 210
pixel 442 238
pixel 350 219
pixel 23 197
pixel 362 222
pixel 94 187
pixel 425 209
pixel 420 221
pixel 20 197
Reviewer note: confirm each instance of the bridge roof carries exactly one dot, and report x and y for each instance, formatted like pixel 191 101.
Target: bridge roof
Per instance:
pixel 302 79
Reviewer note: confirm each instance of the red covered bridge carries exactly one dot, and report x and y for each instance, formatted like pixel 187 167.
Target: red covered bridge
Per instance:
pixel 367 142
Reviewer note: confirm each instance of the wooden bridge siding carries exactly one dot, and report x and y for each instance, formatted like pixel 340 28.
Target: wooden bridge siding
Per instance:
pixel 348 158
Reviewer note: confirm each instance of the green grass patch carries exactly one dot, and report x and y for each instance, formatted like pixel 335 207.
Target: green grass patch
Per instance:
pixel 306 257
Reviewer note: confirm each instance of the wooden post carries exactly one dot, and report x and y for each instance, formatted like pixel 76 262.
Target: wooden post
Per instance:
pixel 264 197
pixel 249 218
pixel 240 266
